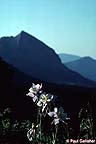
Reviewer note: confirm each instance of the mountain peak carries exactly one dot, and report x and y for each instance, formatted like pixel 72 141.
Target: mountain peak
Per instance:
pixel 26 36
pixel 86 66
pixel 23 31
pixel 88 58
pixel 23 34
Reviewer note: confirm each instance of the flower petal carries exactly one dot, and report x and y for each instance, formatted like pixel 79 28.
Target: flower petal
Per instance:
pixel 51 114
pixel 30 94
pixel 56 121
pixel 44 106
pixel 35 98
pixel 39 103
pixel 31 89
pixel 38 86
pixel 55 109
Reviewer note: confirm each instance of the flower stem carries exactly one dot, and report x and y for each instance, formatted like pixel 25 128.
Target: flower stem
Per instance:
pixel 55 135
pixel 39 118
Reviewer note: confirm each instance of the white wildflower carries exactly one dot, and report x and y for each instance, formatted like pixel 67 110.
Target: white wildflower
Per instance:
pixel 33 91
pixel 35 88
pixel 44 100
pixel 58 115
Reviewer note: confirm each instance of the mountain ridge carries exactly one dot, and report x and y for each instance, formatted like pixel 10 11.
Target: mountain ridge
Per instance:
pixel 68 57
pixel 36 59
pixel 86 66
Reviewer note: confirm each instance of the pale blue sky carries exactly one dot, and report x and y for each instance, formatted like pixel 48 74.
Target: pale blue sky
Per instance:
pixel 68 26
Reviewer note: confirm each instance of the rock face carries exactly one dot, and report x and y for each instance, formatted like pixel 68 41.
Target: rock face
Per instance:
pixel 36 59
pixel 86 66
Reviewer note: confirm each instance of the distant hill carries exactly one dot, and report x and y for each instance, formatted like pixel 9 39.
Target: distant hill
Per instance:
pixel 36 59
pixel 86 66
pixel 68 57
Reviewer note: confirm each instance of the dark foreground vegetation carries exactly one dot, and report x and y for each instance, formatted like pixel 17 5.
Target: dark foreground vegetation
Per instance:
pixel 18 112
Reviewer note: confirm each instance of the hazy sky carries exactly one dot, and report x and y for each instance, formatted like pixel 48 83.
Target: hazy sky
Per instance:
pixel 68 26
